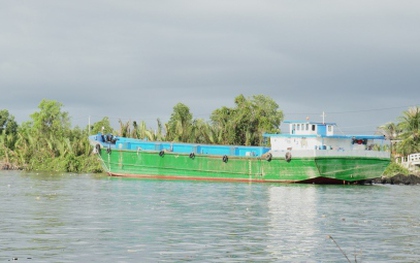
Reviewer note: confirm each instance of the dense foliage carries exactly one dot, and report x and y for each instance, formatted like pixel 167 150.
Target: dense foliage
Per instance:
pixel 395 168
pixel 247 121
pixel 48 142
pixel 243 124
pixel 404 137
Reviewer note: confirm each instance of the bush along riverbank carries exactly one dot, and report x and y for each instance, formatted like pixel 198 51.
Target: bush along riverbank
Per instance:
pixel 8 166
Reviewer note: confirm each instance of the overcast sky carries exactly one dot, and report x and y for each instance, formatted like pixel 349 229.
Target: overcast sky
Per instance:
pixel 359 61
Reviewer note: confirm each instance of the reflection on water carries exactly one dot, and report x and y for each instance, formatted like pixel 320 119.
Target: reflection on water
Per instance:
pixel 73 218
pixel 293 214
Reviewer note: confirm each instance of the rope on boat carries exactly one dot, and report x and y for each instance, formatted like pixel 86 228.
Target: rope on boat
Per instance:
pixel 288 156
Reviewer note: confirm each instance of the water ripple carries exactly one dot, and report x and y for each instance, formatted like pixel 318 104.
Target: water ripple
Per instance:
pixel 73 218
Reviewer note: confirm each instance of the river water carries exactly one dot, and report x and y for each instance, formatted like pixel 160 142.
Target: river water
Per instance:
pixel 94 218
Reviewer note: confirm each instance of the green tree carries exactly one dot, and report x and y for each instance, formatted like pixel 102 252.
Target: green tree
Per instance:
pixel 159 133
pixel 25 146
pixel 246 123
pixel 391 131
pixel 6 152
pixel 7 123
pixel 8 129
pixel 410 135
pixel 200 132
pixel 124 129
pixel 139 131
pixel 103 126
pixel 224 129
pixel 153 135
pixel 50 119
pixel 179 124
pixel 47 142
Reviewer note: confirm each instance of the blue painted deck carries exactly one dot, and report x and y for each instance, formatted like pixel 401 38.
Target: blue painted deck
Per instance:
pixel 143 145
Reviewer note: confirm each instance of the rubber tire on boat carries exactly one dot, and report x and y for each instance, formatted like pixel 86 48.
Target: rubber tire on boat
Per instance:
pixel 288 156
pixel 192 155
pixel 108 150
pixel 268 157
pixel 98 148
pixel 161 153
pixel 225 158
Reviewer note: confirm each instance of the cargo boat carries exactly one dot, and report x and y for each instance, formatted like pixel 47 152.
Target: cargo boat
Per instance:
pixel 309 153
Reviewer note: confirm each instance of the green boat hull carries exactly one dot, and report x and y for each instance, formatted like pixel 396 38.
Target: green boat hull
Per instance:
pixel 322 169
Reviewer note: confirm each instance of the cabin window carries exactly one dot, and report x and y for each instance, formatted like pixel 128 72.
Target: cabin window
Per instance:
pixel 329 128
pixel 293 128
pixel 307 127
pixel 313 127
pixel 298 127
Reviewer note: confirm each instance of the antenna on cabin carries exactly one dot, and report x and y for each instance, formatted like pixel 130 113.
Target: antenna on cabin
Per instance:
pixel 323 117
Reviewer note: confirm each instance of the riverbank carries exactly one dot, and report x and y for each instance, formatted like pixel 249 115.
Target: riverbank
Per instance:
pixel 8 166
pixel 398 179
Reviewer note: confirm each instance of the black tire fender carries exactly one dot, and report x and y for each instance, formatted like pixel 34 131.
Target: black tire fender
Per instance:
pixel 225 158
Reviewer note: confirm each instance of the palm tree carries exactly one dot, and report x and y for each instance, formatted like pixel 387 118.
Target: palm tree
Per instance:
pixel 124 128
pixel 391 131
pixel 179 125
pixel 4 148
pixel 410 127
pixel 199 132
pixel 160 135
pixel 23 146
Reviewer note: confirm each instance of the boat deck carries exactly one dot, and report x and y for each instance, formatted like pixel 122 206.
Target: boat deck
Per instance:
pixel 143 145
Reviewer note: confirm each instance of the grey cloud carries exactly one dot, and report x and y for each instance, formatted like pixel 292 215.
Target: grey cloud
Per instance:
pixel 137 59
